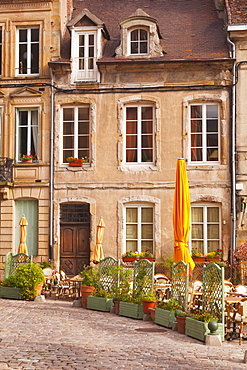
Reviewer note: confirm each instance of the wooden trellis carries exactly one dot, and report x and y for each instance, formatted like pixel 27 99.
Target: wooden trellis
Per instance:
pixel 109 277
pixel 143 276
pixel 180 282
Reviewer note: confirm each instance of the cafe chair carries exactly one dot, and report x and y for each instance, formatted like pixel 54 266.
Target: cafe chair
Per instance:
pixel 236 319
pixel 162 287
pixel 65 286
pixel 195 296
pixel 241 289
pixel 48 282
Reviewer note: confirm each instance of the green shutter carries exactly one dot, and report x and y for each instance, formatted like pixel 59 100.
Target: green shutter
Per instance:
pixel 29 208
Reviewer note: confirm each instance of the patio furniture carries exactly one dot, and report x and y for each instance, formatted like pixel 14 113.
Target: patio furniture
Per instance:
pixel 65 286
pixel 162 287
pixel 243 272
pixel 195 299
pixel 49 281
pixel 236 317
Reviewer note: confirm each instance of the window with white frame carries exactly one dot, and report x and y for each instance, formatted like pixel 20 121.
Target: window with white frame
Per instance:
pixel 27 131
pixel 205 228
pixel 139 134
pixel 27 61
pixel 139 226
pixel 76 132
pixel 138 43
pixel 84 53
pixel 204 133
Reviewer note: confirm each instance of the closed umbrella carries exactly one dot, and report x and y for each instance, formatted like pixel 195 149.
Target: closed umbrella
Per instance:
pixel 23 235
pixel 181 216
pixel 98 250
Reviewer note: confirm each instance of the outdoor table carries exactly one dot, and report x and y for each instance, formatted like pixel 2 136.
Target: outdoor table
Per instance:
pixel 76 281
pixel 230 308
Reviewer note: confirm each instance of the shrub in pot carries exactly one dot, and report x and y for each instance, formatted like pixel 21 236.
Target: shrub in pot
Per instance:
pixel 149 300
pixel 89 281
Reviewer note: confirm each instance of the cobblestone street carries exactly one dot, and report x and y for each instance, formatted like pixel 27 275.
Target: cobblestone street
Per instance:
pixel 55 335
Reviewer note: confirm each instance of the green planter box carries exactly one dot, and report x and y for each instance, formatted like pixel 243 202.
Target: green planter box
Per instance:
pixel 99 303
pixel 132 310
pixel 164 317
pixel 198 329
pixel 10 292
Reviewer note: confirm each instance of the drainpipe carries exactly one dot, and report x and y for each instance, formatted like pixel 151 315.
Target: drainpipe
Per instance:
pixel 51 169
pixel 233 151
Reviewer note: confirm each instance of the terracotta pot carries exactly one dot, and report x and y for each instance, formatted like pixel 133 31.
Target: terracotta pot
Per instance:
pixel 152 313
pixel 116 307
pixel 27 161
pixel 86 291
pixel 39 288
pixel 199 259
pixel 75 164
pixel 181 320
pixel 129 259
pixel 146 305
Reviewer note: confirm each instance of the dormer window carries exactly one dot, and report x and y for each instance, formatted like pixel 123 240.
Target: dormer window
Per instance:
pixel 140 37
pixel 138 41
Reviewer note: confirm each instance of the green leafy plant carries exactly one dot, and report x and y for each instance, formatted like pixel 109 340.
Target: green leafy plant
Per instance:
pixel 90 276
pixel 26 277
pixel 45 264
pixel 149 296
pixel 180 313
pixel 205 316
pixel 170 305
pixel 99 292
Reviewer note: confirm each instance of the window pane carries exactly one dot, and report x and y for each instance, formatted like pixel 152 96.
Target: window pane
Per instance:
pixel 147 214
pixel 213 246
pixel 197 231
pixel 213 214
pixel 147 127
pixel 23 35
pixel 146 246
pixel 147 231
pixel 83 128
pixel 147 155
pixel 198 246
pixel 212 125
pixel 131 246
pixel 131 231
pixel 212 140
pixel 68 128
pixel 196 154
pixel 134 48
pixel 213 232
pixel 35 58
pixel 196 111
pixel 147 141
pixel 131 214
pixel 143 48
pixel 131 155
pixel 143 35
pixel 131 127
pixel 35 34
pixel 212 111
pixel 131 113
pixel 196 214
pixel 68 142
pixel 212 154
pixel 134 35
pixel 83 114
pixel 196 126
pixel 131 141
pixel 147 113
pixel 83 142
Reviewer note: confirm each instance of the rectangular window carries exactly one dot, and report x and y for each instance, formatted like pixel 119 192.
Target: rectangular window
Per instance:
pixel 28 51
pixel 29 208
pixel 205 228
pixel 76 133
pixel 204 133
pixel 27 128
pixel 139 134
pixel 138 42
pixel 85 56
pixel 139 227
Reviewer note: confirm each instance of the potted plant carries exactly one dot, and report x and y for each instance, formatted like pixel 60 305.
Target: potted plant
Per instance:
pixel 213 256
pixel 197 256
pixel 181 320
pixel 74 162
pixel 29 278
pixel 89 281
pixel 197 325
pixel 133 256
pixel 100 300
pixel 149 300
pixel 165 312
pixel 29 158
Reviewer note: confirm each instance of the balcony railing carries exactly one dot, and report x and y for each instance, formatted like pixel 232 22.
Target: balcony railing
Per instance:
pixel 6 169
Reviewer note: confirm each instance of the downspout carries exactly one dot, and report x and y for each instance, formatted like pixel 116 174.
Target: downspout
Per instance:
pixel 233 150
pixel 51 169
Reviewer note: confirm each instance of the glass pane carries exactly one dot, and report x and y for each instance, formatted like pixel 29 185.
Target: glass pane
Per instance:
pixel 196 111
pixel 196 214
pixel 68 114
pixel 83 142
pixel 23 149
pixel 23 116
pixel 147 113
pixel 196 125
pixel 35 58
pixel 81 52
pixel 213 246
pixel 143 35
pixel 83 114
pixel 131 127
pixel 212 111
pixel 213 214
pixel 197 231
pixel 90 63
pixel 147 246
pixel 147 127
pixel 68 128
pixel 147 214
pixel 143 48
pixel 198 246
pixel 131 113
pixel 83 153
pixel 134 35
pixel 68 142
pixel 212 154
pixel 196 155
pixel 131 155
pixel 131 231
pixel 131 141
pixel 196 140
pixel 81 40
pixel 212 140
pixel 131 214
pixel 23 35
pixel 66 154
pixel 147 155
pixel 134 48
pixel 147 141
pixel 83 128
pixel 23 59
pixel 91 40
pixel 131 246
pixel 91 52
pixel 213 231
pixel 35 35
pixel 212 125
pixel 147 231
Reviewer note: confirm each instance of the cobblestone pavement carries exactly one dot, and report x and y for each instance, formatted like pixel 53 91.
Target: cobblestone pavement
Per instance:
pixel 55 335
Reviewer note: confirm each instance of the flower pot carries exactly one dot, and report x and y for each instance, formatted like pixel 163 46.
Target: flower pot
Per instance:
pixel 152 313
pixel 164 317
pixel 75 164
pixel 39 288
pixel 199 259
pixel 86 291
pixel 181 320
pixel 129 259
pixel 146 305
pixel 99 303
pixel 116 307
pixel 132 310
pixel 27 161
pixel 132 259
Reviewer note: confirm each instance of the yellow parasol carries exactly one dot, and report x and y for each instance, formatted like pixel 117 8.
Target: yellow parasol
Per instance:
pixel 181 216
pixel 98 250
pixel 23 235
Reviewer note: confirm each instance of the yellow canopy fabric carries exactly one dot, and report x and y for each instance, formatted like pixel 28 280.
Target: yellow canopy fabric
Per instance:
pixel 181 216
pixel 98 250
pixel 23 235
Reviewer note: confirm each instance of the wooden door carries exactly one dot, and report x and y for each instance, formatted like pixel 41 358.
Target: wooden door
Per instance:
pixel 75 248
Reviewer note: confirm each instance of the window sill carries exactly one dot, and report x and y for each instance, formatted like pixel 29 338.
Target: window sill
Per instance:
pixel 138 167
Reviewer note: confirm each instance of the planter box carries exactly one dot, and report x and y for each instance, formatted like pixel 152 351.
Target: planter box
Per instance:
pixel 10 292
pixel 198 329
pixel 164 317
pixel 132 310
pixel 75 164
pixel 132 259
pixel 99 303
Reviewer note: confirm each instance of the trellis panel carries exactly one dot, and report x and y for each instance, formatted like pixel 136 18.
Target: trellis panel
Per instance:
pixel 180 282
pixel 143 276
pixel 109 276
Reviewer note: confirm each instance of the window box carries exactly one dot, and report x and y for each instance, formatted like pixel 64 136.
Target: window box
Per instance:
pixel 132 259
pixel 10 292
pixel 99 303
pixel 133 310
pixel 198 329
pixel 206 259
pixel 75 164
pixel 164 317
